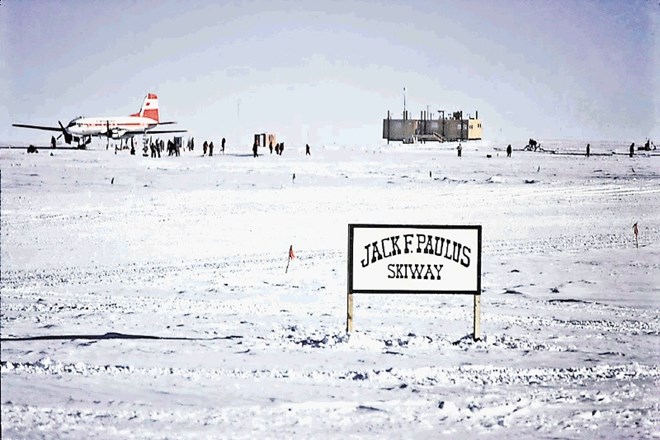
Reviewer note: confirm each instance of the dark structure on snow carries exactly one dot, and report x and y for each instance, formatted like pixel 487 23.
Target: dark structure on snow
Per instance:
pixel 445 128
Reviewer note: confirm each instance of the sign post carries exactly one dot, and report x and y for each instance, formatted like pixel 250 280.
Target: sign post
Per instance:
pixel 414 259
pixel 477 317
pixel 349 313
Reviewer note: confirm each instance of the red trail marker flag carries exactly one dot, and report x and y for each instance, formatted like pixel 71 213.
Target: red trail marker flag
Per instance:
pixel 291 257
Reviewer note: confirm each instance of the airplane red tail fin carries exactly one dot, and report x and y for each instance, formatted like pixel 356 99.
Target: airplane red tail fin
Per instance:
pixel 149 108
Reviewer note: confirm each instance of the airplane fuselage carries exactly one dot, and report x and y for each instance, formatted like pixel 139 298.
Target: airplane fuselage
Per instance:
pixel 116 126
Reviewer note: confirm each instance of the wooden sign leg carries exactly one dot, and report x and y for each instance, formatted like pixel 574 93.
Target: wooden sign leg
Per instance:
pixel 349 313
pixel 477 317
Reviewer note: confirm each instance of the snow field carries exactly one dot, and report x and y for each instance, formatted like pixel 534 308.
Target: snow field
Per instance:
pixel 187 255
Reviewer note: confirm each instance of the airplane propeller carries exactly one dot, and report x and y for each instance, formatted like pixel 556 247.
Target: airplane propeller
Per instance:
pixel 68 137
pixel 108 133
pixel 62 127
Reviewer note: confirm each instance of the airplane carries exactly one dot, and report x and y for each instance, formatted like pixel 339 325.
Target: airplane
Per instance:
pixel 122 127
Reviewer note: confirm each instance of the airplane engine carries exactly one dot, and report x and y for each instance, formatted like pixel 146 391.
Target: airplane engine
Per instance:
pixel 112 133
pixel 117 134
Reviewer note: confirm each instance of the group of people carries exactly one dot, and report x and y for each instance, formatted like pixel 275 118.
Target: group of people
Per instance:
pixel 279 148
pixel 648 146
pixel 174 148
pixel 208 147
pixel 157 147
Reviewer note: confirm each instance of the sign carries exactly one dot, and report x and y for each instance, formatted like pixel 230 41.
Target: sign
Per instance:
pixel 409 259
pixel 414 259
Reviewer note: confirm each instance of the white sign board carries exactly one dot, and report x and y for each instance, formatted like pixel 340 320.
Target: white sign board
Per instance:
pixel 414 259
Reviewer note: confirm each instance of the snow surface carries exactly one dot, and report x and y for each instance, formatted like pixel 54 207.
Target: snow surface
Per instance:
pixel 187 255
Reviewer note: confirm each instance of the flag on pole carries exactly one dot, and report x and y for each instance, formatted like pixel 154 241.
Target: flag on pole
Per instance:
pixel 636 232
pixel 291 257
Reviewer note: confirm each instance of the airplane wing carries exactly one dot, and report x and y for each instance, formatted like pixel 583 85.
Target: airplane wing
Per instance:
pixel 38 127
pixel 167 123
pixel 164 131
pixel 148 132
pixel 130 133
pixel 9 147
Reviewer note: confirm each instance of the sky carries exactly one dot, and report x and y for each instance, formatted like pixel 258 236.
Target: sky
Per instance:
pixel 326 73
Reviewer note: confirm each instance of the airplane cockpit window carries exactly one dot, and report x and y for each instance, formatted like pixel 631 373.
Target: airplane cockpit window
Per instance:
pixel 74 122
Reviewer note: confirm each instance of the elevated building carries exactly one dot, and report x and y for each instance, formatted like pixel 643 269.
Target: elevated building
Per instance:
pixel 442 129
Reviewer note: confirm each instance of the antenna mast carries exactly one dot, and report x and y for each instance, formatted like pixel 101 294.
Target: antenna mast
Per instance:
pixel 404 102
